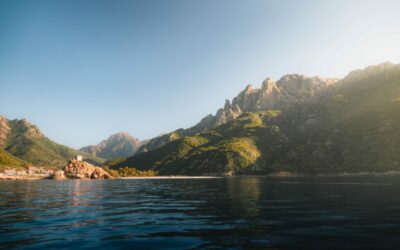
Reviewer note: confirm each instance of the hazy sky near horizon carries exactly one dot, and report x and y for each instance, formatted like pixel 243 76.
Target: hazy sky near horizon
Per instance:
pixel 82 70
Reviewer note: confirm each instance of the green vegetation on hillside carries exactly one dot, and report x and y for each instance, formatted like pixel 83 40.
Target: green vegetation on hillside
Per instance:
pixel 9 161
pixel 130 172
pixel 353 128
pixel 232 147
pixel 26 142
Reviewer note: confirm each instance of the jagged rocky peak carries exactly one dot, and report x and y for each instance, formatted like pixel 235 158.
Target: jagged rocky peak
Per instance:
pixel 268 85
pixel 246 99
pixel 24 126
pixel 122 136
pixel 287 91
pixel 121 144
pixel 249 89
pixel 302 87
pixel 227 105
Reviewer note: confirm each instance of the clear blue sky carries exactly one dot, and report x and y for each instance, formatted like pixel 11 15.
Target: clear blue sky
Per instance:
pixel 82 70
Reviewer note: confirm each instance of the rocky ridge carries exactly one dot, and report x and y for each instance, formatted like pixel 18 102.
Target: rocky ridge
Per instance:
pixel 283 94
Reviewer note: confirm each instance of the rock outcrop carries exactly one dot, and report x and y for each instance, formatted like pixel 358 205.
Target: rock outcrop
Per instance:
pixel 82 170
pixel 288 91
pixel 59 175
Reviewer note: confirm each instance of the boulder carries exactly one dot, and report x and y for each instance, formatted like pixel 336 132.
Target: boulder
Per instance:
pixel 59 175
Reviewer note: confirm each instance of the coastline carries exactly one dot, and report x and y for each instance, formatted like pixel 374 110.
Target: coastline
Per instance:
pixel 344 174
pixel 169 177
pixel 25 177
pixel 277 175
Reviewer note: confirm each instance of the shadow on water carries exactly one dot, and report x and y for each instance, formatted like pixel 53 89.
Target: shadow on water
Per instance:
pixel 233 213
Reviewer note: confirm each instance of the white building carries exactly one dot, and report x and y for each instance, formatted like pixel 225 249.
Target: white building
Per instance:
pixel 79 158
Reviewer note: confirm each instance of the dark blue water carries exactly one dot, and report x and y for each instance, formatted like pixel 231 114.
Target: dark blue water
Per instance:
pixel 233 213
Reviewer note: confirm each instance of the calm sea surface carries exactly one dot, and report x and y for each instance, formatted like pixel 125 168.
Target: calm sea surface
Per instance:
pixel 233 213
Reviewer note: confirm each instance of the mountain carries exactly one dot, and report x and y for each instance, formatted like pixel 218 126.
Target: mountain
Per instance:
pixel 297 124
pixel 287 92
pixel 231 147
pixel 25 141
pixel 117 145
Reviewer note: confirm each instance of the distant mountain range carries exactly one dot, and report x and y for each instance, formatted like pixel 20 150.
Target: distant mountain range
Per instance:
pixel 117 145
pixel 22 143
pixel 297 124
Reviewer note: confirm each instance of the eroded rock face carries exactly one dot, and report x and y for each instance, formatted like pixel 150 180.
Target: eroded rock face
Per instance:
pixel 288 91
pixel 25 127
pixel 83 170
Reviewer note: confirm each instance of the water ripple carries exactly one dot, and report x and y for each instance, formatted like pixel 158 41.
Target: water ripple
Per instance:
pixel 231 213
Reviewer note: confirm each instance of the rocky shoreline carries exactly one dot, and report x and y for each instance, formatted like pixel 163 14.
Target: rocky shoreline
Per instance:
pixel 77 169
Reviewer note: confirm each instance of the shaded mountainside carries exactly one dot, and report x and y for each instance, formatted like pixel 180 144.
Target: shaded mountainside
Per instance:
pixel 117 145
pixel 322 126
pixel 25 141
pixel 7 160
pixel 357 127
